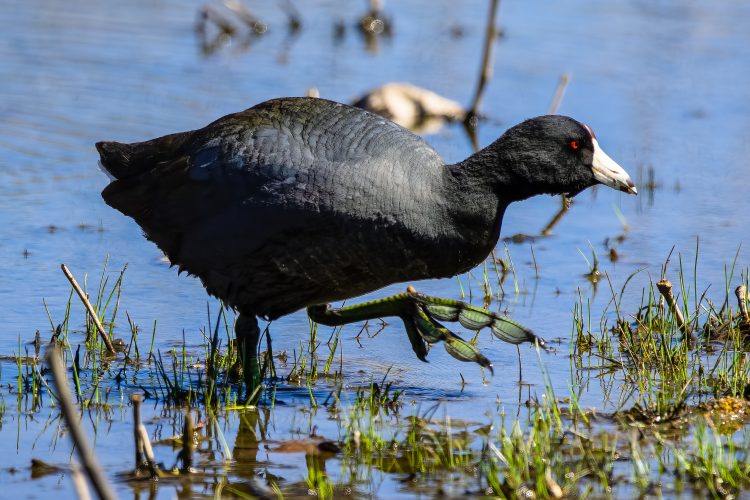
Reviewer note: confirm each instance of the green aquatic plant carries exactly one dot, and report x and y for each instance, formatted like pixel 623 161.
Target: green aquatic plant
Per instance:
pixel 662 435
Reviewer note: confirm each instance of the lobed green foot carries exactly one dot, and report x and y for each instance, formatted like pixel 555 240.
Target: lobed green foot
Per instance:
pixel 475 318
pixel 432 332
pixel 421 313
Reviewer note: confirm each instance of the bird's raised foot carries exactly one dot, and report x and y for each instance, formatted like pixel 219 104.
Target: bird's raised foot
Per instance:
pixel 475 318
pixel 423 329
pixel 421 315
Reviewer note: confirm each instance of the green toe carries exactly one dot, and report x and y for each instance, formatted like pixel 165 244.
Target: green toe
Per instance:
pixel 421 313
pixel 476 318
pixel 464 351
pixel 432 332
pixel 418 344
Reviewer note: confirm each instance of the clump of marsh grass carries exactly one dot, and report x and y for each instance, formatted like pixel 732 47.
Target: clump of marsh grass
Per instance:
pixel 717 464
pixel 421 447
pixel 679 423
pixel 675 351
pixel 551 452
pixel 549 458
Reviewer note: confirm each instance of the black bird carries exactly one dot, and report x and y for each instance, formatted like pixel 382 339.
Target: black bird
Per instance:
pixel 298 202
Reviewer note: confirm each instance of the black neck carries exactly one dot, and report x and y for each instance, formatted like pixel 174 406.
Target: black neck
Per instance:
pixel 505 170
pixel 482 186
pixel 476 204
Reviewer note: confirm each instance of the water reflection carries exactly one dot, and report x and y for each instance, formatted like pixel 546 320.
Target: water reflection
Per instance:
pixel 374 26
pixel 229 20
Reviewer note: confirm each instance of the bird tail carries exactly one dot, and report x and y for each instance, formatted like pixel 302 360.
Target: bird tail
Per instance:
pixel 121 161
pixel 115 158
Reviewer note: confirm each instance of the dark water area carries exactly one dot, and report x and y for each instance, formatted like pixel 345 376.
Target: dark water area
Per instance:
pixel 663 84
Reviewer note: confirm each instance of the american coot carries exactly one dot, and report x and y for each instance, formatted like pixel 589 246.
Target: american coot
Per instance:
pixel 298 202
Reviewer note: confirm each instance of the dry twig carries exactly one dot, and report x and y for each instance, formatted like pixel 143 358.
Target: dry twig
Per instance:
pixel 142 443
pixel 665 289
pixel 559 93
pixel 485 72
pixel 187 443
pixel 89 308
pixel 85 454
pixel 741 292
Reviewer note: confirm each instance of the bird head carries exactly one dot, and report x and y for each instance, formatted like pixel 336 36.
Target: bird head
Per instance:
pixel 556 154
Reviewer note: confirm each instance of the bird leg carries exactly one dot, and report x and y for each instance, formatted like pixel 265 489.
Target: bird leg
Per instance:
pixel 420 314
pixel 247 331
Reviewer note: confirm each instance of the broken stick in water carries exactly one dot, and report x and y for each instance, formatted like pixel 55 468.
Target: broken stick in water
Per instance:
pixel 562 85
pixel 136 400
pixel 89 308
pixel 665 289
pixel 69 413
pixel 559 93
pixel 485 70
pixel 149 451
pixel 142 442
pixel 741 292
pixel 187 443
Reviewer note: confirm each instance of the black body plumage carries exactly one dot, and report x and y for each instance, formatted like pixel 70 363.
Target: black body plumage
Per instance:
pixel 301 201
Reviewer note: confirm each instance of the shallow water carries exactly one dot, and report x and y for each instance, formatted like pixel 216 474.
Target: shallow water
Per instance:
pixel 662 84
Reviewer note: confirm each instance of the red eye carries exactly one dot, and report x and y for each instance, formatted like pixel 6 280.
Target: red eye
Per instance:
pixel 573 144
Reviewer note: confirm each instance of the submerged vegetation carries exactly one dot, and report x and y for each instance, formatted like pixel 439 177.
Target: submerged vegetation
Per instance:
pixel 673 371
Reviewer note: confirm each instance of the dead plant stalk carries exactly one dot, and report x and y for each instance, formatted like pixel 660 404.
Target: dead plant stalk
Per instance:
pixel 741 293
pixel 89 308
pixel 72 419
pixel 665 289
